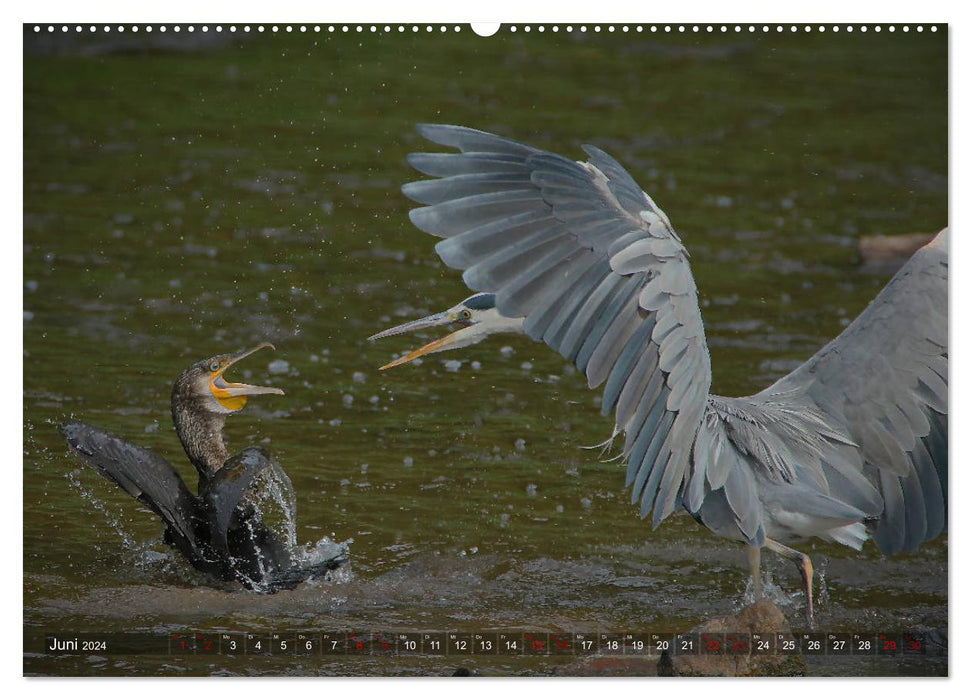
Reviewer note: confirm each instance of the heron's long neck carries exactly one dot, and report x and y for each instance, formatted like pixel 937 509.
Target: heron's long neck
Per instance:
pixel 497 323
pixel 201 433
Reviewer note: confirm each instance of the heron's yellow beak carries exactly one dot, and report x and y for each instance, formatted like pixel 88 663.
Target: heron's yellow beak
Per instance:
pixel 438 345
pixel 443 318
pixel 232 395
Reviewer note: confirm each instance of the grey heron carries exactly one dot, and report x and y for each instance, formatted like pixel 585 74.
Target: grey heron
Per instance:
pixel 852 444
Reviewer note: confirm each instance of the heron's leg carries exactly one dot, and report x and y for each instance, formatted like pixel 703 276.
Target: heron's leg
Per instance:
pixel 805 568
pixel 754 561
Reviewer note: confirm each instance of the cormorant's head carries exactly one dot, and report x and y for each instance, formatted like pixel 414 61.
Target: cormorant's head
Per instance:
pixel 204 384
pixel 477 315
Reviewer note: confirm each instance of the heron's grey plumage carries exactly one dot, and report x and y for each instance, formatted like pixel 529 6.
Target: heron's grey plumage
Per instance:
pixel 858 434
pixel 883 383
pixel 851 443
pixel 573 235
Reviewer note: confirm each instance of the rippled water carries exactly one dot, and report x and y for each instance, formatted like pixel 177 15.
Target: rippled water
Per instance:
pixel 183 203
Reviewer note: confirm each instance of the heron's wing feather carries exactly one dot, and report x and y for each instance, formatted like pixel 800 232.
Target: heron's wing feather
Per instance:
pixel 145 475
pixel 596 271
pixel 883 383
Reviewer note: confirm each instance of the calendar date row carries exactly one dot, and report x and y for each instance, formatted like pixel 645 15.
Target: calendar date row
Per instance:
pixel 552 643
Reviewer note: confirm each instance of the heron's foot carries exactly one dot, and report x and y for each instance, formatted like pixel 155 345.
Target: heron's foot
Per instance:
pixel 805 567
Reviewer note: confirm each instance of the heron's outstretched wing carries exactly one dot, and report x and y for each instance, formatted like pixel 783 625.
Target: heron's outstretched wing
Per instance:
pixel 596 271
pixel 144 475
pixel 883 382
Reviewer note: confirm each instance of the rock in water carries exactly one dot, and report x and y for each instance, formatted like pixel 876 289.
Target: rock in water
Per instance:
pixel 900 246
pixel 763 618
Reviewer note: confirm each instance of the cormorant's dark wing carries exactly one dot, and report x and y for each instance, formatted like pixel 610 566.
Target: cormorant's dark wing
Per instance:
pixel 253 552
pixel 883 382
pixel 144 475
pixel 596 271
pixel 224 492
pixel 256 555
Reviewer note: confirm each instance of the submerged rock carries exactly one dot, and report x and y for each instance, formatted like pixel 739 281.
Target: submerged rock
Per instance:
pixel 762 618
pixel 900 246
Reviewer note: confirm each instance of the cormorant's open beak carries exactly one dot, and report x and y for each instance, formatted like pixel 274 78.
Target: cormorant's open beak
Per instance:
pixel 232 395
pixel 445 343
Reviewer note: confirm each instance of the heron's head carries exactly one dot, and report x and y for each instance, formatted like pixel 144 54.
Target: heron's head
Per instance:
pixel 477 316
pixel 204 385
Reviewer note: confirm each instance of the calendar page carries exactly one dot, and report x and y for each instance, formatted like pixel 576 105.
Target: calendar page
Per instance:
pixel 532 349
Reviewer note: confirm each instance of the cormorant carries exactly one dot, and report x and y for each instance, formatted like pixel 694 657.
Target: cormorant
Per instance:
pixel 221 530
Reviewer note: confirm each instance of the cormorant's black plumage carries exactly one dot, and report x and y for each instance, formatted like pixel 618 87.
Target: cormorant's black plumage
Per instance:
pixel 220 530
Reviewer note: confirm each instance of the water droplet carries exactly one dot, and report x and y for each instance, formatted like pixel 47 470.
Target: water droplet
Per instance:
pixel 278 367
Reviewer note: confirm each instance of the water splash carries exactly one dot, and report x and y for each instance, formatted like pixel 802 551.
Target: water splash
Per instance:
pixel 74 477
pixel 822 592
pixel 277 502
pixel 326 549
pixel 274 503
pixel 771 592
